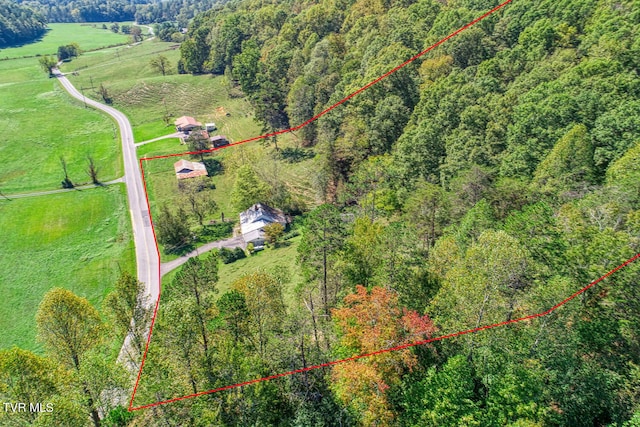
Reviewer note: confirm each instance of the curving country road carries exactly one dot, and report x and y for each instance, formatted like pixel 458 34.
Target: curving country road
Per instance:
pixel 146 252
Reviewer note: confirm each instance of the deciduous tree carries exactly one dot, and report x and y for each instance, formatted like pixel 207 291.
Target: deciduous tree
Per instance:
pixel 69 327
pixel 161 63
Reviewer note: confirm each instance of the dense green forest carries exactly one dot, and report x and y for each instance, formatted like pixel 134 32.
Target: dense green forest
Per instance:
pixel 489 180
pixel 142 11
pixel 19 24
pixel 82 10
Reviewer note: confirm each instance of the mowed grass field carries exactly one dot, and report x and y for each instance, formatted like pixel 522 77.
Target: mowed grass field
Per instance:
pixel 79 240
pixel 88 36
pixel 146 96
pixel 40 123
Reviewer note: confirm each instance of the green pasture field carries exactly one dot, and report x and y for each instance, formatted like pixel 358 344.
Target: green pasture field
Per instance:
pixel 146 96
pixel 88 36
pixel 78 240
pixel 40 123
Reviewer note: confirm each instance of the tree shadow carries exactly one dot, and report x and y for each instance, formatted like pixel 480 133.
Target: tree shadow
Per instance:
pixel 295 154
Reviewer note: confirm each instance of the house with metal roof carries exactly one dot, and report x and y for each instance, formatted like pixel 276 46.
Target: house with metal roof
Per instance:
pixel 188 169
pixel 254 219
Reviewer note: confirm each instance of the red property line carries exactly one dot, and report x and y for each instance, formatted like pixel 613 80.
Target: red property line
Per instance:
pixel 400 347
pixel 155 311
pixel 348 97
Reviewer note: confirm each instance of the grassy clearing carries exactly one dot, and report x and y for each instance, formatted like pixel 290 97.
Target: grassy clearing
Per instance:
pixel 283 257
pixel 162 184
pixel 88 36
pixel 146 97
pixel 78 240
pixel 39 123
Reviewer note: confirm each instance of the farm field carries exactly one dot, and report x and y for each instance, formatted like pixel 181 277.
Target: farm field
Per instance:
pixel 77 240
pixel 40 123
pixel 147 97
pixel 88 36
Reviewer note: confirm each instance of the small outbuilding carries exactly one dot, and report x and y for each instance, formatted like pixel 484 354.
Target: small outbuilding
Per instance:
pixel 187 124
pixel 187 169
pixel 210 127
pixel 219 141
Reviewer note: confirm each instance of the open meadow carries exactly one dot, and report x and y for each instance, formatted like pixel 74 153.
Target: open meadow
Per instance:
pixel 41 123
pixel 88 36
pixel 147 97
pixel 79 240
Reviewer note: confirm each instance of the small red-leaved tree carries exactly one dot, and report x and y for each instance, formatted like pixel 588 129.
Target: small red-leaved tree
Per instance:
pixel 368 322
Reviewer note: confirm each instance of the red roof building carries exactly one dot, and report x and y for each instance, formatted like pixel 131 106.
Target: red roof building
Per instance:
pixel 186 123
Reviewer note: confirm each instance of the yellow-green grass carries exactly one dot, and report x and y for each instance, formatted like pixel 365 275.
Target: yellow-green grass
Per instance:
pixel 88 36
pixel 79 240
pixel 40 123
pixel 146 96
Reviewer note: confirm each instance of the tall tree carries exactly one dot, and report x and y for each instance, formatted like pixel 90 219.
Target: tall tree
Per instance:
pixel 248 189
pixel 371 321
pixel 196 200
pixel 129 310
pixel 69 327
pixel 199 278
pixel 265 306
pixel 173 231
pixel 322 238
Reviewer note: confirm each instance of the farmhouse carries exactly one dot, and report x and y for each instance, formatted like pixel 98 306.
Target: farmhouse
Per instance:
pixel 219 141
pixel 253 220
pixel 186 124
pixel 186 169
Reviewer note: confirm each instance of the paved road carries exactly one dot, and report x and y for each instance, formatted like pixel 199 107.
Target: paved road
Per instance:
pixel 146 255
pixel 234 242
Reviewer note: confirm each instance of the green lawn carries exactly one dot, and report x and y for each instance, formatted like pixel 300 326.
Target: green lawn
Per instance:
pixel 40 123
pixel 77 240
pixel 146 96
pixel 88 36
pixel 267 260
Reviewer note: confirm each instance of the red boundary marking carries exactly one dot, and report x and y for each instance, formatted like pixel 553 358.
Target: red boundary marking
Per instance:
pixel 400 347
pixel 348 97
pixel 335 362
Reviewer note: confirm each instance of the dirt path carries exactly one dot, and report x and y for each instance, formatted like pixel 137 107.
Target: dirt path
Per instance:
pixel 62 190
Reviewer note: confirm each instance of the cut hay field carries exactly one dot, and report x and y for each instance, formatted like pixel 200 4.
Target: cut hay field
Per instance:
pixel 146 96
pixel 78 240
pixel 88 36
pixel 40 123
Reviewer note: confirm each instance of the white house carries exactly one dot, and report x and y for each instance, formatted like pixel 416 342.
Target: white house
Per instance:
pixel 253 220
